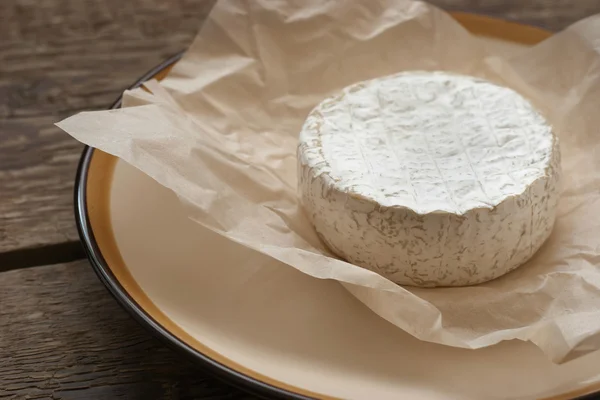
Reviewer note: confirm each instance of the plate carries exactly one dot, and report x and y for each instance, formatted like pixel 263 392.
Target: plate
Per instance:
pixel 295 336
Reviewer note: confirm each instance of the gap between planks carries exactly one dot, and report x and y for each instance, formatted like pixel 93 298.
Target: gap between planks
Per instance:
pixel 43 255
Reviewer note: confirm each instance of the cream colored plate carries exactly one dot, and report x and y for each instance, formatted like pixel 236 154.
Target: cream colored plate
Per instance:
pixel 276 325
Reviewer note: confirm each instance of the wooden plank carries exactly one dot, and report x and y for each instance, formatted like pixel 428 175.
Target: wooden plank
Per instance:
pixel 63 336
pixel 549 14
pixel 37 170
pixel 58 57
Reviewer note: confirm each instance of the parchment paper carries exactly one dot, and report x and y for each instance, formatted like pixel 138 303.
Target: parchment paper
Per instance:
pixel 221 132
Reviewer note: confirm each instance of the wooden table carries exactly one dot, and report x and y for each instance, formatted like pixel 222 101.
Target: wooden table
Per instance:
pixel 62 336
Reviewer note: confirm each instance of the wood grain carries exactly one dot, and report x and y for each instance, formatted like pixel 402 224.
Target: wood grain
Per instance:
pixel 549 14
pixel 37 170
pixel 58 57
pixel 63 337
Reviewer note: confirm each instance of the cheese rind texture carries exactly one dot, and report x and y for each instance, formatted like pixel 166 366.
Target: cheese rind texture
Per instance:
pixel 430 178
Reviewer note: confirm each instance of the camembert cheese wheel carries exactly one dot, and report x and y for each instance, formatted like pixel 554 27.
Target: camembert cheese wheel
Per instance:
pixel 430 178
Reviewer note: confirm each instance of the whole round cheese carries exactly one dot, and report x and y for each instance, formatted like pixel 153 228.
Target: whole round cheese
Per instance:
pixel 430 178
